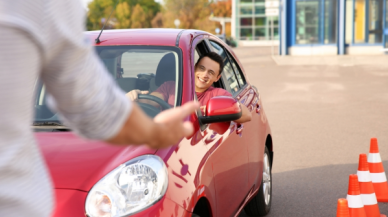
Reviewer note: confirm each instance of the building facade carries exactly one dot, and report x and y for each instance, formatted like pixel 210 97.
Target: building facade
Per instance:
pixel 250 24
pixel 331 27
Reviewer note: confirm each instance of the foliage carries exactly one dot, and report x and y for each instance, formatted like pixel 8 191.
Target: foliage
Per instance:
pixel 123 14
pixel 157 22
pixel 192 14
pixel 138 17
pixel 222 8
pixel 98 9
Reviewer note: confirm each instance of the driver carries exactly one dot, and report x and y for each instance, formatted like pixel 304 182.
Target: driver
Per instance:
pixel 208 70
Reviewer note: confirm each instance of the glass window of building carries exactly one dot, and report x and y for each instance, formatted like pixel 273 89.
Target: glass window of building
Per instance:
pixel 275 24
pixel 246 10
pixel 375 24
pixel 330 31
pixel 368 21
pixel 260 9
pixel 307 22
pixel 260 28
pixel 316 22
pixel 253 23
pixel 349 19
pixel 246 22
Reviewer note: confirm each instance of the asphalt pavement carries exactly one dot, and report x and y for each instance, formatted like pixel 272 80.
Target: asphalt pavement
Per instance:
pixel 322 117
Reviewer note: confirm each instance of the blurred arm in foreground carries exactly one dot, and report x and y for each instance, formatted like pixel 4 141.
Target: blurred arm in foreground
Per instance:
pixel 44 40
pixel 166 129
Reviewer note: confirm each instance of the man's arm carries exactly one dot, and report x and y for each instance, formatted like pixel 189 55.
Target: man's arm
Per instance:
pixel 133 96
pixel 166 129
pixel 88 99
pixel 246 115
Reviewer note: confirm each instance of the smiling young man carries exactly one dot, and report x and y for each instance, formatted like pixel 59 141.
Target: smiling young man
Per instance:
pixel 208 70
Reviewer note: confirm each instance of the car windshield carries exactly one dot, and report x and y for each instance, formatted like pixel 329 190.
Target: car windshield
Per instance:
pixel 144 68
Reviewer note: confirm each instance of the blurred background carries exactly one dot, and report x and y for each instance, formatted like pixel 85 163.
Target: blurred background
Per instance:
pixel 321 69
pixel 295 27
pixel 186 14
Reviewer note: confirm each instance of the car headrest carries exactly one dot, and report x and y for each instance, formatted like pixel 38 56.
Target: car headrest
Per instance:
pixel 166 69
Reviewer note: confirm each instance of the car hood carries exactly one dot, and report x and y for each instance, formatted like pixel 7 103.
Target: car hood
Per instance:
pixel 76 163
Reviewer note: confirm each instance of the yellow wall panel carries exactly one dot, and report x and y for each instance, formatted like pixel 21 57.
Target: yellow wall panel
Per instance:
pixel 359 21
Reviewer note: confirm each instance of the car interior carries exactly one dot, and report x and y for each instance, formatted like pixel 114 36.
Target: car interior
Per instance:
pixel 143 69
pixel 132 69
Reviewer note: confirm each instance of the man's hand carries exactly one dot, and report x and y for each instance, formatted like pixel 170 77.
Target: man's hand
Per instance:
pixel 165 130
pixel 246 115
pixel 171 126
pixel 133 94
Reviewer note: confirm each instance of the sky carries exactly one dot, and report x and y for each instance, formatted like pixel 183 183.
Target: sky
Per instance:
pixel 85 2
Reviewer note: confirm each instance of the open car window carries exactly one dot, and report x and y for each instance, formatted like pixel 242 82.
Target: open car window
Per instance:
pixel 151 68
pixel 228 73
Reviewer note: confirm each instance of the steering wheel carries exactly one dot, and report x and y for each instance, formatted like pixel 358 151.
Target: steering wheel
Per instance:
pixel 156 99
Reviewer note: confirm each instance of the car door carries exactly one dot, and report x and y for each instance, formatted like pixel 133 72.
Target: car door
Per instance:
pixel 229 157
pixel 255 130
pixel 253 133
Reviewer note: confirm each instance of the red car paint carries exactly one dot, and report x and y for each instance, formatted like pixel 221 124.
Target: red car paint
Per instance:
pixel 216 164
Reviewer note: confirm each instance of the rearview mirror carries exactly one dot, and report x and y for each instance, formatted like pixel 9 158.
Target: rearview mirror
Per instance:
pixel 221 109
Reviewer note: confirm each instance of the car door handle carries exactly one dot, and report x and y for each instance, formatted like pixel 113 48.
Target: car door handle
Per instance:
pixel 239 129
pixel 258 107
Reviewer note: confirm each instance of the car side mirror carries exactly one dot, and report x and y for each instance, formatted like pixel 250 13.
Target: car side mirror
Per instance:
pixel 221 109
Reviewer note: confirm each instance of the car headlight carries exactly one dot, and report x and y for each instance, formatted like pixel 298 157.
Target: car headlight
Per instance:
pixel 130 188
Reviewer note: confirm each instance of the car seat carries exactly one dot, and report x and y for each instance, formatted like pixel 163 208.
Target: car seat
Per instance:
pixel 166 71
pixel 127 84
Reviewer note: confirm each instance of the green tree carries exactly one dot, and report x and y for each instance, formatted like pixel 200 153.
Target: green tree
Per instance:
pixel 98 9
pixel 123 16
pixel 150 9
pixel 193 14
pixel 222 8
pixel 138 17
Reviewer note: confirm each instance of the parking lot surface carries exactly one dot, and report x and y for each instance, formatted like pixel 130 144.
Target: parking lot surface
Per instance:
pixel 322 117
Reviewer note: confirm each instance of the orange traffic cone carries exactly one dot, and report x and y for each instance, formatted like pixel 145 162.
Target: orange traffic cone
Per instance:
pixel 356 207
pixel 366 188
pixel 342 208
pixel 379 179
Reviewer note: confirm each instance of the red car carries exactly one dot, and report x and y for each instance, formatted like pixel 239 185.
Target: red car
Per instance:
pixel 221 169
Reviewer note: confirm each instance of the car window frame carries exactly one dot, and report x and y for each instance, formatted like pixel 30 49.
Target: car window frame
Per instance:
pixel 239 71
pixel 225 80
pixel 179 81
pixel 178 50
pixel 203 48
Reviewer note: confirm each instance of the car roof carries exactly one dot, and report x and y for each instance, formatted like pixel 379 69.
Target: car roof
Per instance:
pixel 154 36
